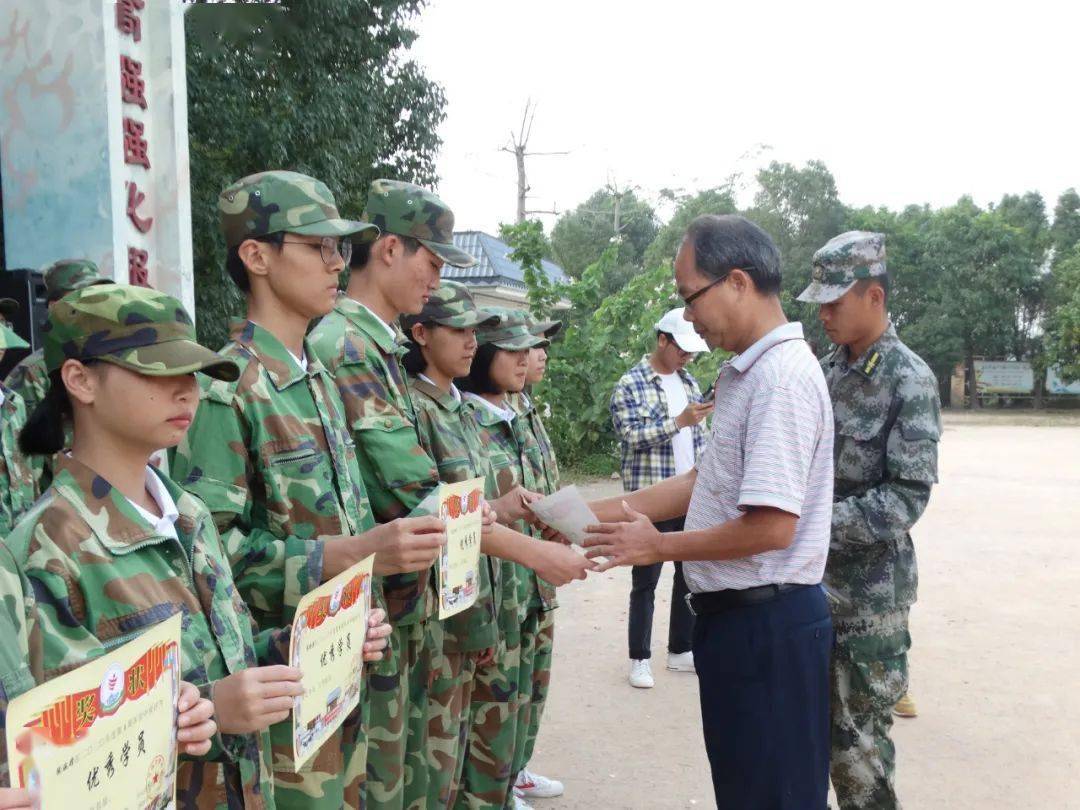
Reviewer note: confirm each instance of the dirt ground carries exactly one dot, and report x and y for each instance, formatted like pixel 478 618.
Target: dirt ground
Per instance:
pixel 995 666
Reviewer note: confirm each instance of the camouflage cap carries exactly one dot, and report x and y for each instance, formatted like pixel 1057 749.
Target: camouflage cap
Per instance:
pixel 451 305
pixel 71 274
pixel 548 329
pixel 844 259
pixel 511 332
pixel 280 201
pixel 135 327
pixel 8 338
pixel 408 210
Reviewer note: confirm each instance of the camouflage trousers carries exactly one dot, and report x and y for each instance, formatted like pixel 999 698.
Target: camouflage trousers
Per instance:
pixel 397 708
pixel 486 777
pixel 869 674
pixel 448 725
pixel 537 648
pixel 332 778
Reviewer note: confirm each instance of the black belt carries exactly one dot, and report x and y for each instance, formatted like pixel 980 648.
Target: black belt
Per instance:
pixel 719 601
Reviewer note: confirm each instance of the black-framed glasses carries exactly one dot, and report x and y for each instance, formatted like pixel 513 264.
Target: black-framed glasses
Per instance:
pixel 330 247
pixel 688 302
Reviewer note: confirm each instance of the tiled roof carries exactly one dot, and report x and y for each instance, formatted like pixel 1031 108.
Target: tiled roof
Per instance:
pixel 494 265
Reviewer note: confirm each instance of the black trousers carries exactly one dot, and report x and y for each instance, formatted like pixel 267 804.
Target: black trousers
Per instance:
pixel 763 679
pixel 642 599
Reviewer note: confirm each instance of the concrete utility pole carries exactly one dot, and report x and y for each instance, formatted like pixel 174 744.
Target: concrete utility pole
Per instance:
pixel 518 147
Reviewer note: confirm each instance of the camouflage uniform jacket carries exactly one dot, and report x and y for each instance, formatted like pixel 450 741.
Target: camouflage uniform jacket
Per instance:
pixel 888 423
pixel 29 379
pixel 270 457
pixel 18 487
pixel 100 575
pixel 549 473
pixel 516 460
pixel 364 361
pixel 16 625
pixel 451 437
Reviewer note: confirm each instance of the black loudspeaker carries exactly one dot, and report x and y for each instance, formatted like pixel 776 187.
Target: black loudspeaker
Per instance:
pixel 28 288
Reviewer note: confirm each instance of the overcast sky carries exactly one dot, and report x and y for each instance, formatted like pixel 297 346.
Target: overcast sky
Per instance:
pixel 906 102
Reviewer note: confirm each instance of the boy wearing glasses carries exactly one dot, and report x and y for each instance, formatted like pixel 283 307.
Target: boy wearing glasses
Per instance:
pixel 271 455
pixel 361 345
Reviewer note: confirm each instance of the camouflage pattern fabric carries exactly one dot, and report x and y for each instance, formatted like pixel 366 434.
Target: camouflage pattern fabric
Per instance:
pixel 405 209
pixel 363 355
pixel 269 455
pixel 450 434
pixel 29 379
pixel 844 260
pixel 451 305
pixel 280 201
pixel 511 331
pixel 100 575
pixel 68 275
pixel 888 423
pixel 869 674
pixel 138 328
pixel 540 454
pixel 18 474
pixel 16 626
pixel 487 777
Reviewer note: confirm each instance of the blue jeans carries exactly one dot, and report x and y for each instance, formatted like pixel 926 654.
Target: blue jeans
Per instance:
pixel 763 678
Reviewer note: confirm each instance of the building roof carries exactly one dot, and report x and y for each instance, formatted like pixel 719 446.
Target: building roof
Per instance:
pixel 494 265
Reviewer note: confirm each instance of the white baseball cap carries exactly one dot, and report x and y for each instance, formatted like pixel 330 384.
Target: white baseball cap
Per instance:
pixel 679 328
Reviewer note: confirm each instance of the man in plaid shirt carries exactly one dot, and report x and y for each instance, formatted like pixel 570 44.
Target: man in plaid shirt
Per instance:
pixel 658 413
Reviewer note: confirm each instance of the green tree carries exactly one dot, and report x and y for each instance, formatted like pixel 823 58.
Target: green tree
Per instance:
pixel 530 247
pixel 1065 232
pixel 801 210
pixel 1063 321
pixel 581 235
pixel 322 88
pixel 719 200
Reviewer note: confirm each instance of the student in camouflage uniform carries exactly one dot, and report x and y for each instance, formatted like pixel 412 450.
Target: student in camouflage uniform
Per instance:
pixel 500 369
pixel 441 347
pixel 114 546
pixel 528 783
pixel 270 455
pixel 18 481
pixel 361 346
pixel 887 415
pixel 29 379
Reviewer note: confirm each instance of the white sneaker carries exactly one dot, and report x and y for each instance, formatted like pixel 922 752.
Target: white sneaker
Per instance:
pixel 521 804
pixel 641 674
pixel 534 786
pixel 681 662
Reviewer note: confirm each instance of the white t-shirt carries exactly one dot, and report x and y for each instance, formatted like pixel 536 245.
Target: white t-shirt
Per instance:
pixel 682 444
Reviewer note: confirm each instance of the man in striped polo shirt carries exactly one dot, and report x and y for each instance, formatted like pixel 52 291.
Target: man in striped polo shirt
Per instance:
pixel 758 505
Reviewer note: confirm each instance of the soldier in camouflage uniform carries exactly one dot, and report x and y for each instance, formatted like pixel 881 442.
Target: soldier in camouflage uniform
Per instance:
pixel 270 453
pixel 100 566
pixel 29 379
pixel 18 480
pixel 517 460
pixel 888 422
pixel 361 346
pixel 15 677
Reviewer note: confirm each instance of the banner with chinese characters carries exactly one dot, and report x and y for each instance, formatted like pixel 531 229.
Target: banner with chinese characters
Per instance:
pixel 103 735
pixel 459 564
pixel 327 647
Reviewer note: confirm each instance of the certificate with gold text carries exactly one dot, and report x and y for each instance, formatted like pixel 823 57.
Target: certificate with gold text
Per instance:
pixel 103 735
pixel 459 563
pixel 327 647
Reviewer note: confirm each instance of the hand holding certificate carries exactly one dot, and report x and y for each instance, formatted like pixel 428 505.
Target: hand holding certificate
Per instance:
pixel 327 647
pixel 459 564
pixel 104 734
